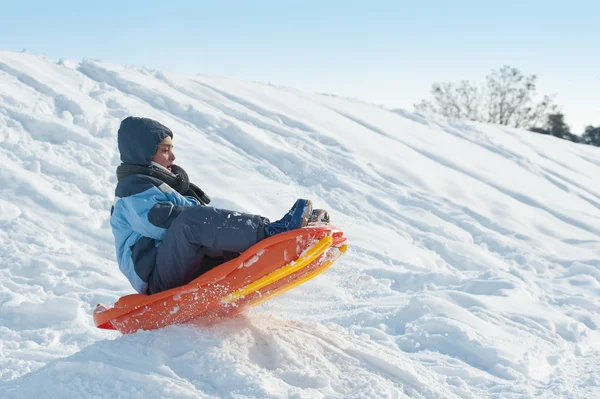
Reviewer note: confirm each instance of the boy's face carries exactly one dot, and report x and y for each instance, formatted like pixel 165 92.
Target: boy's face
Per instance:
pixel 164 154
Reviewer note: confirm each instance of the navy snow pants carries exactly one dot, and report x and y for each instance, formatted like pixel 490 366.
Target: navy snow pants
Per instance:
pixel 195 241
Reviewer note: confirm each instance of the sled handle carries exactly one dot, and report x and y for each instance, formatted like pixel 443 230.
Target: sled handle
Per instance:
pixel 304 259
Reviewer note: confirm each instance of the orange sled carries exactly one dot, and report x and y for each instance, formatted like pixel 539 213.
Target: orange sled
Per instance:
pixel 263 271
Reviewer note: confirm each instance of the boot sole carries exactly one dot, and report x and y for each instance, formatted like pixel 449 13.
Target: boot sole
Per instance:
pixel 307 213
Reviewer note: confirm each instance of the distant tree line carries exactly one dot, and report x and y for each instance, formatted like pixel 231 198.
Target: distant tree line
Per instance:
pixel 507 98
pixel 555 126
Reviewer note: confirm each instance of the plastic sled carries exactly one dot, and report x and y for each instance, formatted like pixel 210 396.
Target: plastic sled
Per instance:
pixel 265 270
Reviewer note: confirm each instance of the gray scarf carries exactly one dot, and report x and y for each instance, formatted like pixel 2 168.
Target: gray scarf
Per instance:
pixel 177 178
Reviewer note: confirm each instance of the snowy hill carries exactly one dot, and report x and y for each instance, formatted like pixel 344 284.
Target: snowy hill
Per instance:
pixel 473 269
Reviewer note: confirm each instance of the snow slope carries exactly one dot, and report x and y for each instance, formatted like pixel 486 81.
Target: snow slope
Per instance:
pixel 473 269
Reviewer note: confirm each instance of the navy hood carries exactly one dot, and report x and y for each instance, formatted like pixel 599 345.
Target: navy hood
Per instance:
pixel 138 139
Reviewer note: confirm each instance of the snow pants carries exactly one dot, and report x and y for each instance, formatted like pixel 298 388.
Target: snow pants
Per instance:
pixel 200 239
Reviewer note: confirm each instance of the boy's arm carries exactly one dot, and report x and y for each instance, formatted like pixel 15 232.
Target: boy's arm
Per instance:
pixel 193 200
pixel 151 211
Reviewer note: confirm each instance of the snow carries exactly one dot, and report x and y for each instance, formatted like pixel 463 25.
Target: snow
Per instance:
pixel 473 267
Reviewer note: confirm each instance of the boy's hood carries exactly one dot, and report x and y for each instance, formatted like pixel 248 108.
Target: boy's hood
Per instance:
pixel 138 139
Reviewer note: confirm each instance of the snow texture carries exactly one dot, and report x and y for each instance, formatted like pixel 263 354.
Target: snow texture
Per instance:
pixel 473 269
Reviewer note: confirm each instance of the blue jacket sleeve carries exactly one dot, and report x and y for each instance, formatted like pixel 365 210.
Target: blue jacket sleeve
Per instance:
pixel 152 211
pixel 193 200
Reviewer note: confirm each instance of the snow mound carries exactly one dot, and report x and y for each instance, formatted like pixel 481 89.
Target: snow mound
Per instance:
pixel 473 269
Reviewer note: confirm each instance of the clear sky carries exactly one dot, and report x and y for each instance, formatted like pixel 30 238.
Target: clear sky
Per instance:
pixel 387 52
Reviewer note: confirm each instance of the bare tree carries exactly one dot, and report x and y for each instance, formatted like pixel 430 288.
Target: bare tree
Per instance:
pixel 507 98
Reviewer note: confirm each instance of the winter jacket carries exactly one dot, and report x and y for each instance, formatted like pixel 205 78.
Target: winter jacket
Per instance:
pixel 144 206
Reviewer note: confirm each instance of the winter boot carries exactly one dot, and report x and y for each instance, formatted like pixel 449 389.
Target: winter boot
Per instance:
pixel 296 218
pixel 319 216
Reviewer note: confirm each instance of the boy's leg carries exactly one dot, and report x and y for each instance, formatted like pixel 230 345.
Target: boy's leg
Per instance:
pixel 180 255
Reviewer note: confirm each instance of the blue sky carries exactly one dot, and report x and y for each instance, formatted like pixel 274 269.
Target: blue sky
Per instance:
pixel 387 52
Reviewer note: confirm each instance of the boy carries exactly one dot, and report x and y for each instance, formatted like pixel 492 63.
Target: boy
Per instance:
pixel 165 235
